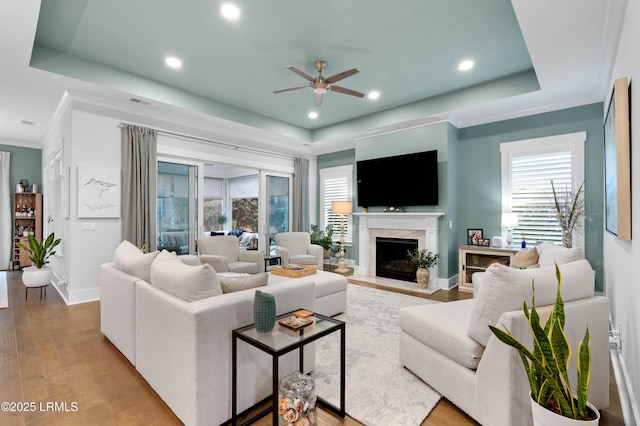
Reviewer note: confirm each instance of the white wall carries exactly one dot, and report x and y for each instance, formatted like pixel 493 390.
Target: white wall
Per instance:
pixel 621 282
pixel 89 135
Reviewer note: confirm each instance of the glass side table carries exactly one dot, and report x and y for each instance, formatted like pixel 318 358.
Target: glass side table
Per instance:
pixel 283 340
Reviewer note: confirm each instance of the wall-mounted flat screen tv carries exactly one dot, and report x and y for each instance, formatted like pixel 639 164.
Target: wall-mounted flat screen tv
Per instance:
pixel 399 181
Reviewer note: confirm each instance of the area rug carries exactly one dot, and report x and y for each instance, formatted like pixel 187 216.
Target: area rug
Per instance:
pixel 379 390
pixel 4 297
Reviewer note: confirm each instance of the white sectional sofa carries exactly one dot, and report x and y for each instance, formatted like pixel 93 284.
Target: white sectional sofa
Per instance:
pixel 451 348
pixel 176 329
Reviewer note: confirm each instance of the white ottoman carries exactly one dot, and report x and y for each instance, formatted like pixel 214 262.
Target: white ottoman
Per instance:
pixel 331 291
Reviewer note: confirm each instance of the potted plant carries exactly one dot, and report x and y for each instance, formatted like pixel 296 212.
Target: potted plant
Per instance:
pixel 221 219
pixel 552 399
pixel 39 274
pixel 322 238
pixel 423 260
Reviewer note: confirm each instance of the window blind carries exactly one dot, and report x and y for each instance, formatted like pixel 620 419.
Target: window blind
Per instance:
pixel 244 187
pixel 335 185
pixel 213 188
pixel 532 194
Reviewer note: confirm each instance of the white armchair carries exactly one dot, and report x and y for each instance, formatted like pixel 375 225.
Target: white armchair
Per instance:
pixel 223 253
pixel 296 247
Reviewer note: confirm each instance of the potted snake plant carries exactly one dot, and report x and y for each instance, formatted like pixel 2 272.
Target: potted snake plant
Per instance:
pixel 553 401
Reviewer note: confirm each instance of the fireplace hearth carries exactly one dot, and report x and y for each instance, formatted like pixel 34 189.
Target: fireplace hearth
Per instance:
pixel 392 260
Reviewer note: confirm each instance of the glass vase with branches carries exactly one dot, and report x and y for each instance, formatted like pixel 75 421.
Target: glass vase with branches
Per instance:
pixel 569 209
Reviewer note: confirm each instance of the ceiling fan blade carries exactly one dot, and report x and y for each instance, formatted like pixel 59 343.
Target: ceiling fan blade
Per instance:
pixel 292 88
pixel 342 75
pixel 318 99
pixel 300 73
pixel 346 91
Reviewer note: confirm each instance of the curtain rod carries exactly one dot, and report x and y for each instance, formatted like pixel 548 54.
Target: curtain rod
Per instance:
pixel 223 144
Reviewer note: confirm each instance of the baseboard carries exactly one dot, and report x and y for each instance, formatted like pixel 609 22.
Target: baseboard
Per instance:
pixel 628 403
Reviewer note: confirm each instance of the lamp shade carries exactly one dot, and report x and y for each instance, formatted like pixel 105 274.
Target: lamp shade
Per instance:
pixel 341 207
pixel 509 220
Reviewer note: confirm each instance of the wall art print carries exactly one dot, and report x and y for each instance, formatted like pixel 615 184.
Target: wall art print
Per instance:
pixel 617 163
pixel 98 192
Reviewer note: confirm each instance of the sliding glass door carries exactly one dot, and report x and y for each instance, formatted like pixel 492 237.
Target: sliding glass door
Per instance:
pixel 177 207
pixel 276 205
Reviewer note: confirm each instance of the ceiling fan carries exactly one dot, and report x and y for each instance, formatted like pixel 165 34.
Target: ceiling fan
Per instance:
pixel 321 85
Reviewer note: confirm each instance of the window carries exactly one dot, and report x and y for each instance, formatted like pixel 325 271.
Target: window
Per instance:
pixel 528 167
pixel 243 193
pixel 177 197
pixel 336 184
pixel 213 204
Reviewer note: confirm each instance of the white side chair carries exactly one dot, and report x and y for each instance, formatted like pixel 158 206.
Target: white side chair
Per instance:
pixel 223 253
pixel 296 248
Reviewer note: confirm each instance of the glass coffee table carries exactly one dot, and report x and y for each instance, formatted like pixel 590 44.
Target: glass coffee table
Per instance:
pixel 283 340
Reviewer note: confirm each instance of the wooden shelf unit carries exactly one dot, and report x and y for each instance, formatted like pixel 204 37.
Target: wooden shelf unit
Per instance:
pixel 28 199
pixel 474 259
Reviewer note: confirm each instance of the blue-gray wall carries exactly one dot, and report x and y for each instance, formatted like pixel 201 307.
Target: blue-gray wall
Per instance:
pixel 440 136
pixel 480 175
pixel 24 163
pixel 336 159
pixel 470 173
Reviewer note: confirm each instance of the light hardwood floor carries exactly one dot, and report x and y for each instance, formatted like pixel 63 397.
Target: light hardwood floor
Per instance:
pixel 51 353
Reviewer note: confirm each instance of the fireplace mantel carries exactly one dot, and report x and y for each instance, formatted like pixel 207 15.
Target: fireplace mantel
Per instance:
pixel 424 226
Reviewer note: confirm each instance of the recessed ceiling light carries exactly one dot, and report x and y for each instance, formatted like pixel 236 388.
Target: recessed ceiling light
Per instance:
pixel 230 11
pixel 173 62
pixel 313 115
pixel 465 65
pixel 374 95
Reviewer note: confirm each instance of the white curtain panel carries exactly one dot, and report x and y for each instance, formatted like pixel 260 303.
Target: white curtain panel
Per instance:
pixel 6 229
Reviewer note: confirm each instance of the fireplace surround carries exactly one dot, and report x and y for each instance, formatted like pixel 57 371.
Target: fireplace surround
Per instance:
pixel 422 227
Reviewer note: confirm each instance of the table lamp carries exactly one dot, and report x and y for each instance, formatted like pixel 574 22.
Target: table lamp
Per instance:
pixel 342 208
pixel 509 221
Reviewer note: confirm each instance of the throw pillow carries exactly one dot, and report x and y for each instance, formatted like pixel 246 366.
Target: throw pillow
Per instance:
pixel 130 259
pixel 504 289
pixel 524 258
pixel 189 283
pixel 245 238
pixel 231 284
pixel 560 255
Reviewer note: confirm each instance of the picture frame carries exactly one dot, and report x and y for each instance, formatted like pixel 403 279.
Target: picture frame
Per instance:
pixel 98 192
pixel 617 147
pixel 473 236
pixel 484 242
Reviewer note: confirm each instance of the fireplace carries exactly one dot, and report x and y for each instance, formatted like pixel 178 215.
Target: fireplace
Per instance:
pixel 420 226
pixel 392 260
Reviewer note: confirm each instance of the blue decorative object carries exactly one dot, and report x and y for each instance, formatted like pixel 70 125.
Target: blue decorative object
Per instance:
pixel 264 312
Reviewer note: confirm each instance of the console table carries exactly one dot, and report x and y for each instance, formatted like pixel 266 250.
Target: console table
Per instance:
pixel 477 259
pixel 281 341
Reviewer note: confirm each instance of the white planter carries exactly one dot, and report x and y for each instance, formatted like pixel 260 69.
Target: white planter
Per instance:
pixel 544 417
pixel 36 277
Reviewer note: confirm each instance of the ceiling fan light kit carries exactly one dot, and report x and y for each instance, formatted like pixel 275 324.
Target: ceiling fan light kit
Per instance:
pixel 320 85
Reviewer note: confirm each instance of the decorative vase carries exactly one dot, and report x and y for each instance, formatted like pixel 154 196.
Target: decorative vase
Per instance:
pixel 264 312
pixel 544 417
pixel 423 276
pixel 297 400
pixel 567 239
pixel 36 277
